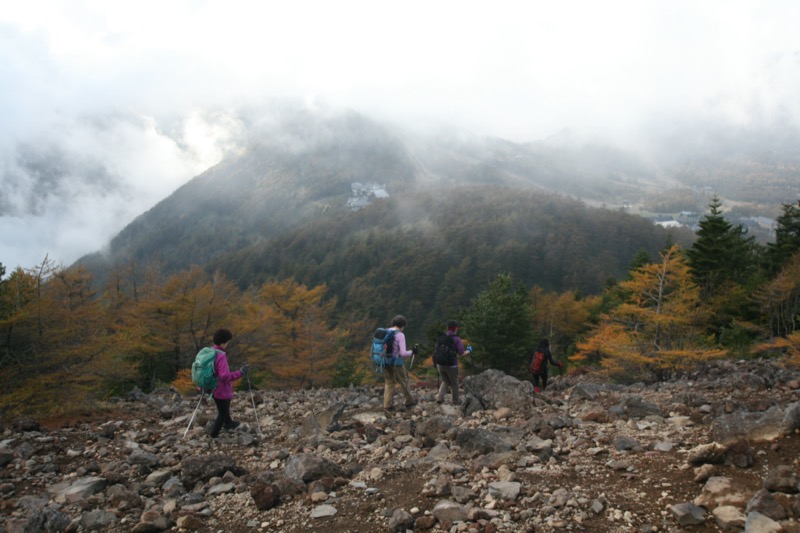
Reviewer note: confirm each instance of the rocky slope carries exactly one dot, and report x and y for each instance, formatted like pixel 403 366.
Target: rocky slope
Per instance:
pixel 714 450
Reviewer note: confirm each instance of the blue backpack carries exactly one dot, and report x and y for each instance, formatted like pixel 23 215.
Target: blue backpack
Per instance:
pixel 382 346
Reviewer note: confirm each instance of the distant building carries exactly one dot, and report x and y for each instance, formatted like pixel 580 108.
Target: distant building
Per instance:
pixel 668 223
pixel 362 194
pixel 357 203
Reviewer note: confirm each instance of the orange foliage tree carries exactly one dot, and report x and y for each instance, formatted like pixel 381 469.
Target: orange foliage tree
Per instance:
pixel 162 326
pixel 284 334
pixel 658 327
pixel 561 317
pixel 780 299
pixel 53 330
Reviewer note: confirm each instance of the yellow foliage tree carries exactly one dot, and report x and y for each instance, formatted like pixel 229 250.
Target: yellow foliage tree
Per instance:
pixel 161 327
pixel 284 334
pixel 53 340
pixel 657 328
pixel 560 317
pixel 780 302
pixel 780 299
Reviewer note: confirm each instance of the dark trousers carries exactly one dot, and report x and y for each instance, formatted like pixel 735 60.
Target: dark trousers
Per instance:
pixel 449 377
pixel 543 377
pixel 223 416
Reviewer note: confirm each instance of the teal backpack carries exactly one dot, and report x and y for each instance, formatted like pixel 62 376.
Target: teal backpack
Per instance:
pixel 382 345
pixel 203 369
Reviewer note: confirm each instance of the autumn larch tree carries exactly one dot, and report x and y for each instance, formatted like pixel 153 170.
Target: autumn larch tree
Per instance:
pixel 660 326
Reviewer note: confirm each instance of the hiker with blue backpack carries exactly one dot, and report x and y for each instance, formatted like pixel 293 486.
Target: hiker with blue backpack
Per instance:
pixel 223 393
pixel 394 372
pixel 445 356
pixel 538 363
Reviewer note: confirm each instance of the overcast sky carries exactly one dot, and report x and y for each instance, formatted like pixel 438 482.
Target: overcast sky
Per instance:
pixel 108 106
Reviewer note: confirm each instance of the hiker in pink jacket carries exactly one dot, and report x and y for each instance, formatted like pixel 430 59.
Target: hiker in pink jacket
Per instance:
pixel 223 394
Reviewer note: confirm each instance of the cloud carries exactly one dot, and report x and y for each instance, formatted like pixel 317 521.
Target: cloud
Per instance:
pixel 142 96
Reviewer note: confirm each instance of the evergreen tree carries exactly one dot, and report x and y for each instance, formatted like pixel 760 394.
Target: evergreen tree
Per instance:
pixel 500 327
pixel 787 238
pixel 348 370
pixel 722 252
pixel 724 265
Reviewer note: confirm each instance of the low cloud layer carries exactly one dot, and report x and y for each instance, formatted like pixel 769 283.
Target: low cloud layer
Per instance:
pixel 107 108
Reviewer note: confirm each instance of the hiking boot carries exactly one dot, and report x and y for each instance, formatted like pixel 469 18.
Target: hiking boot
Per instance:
pixel 410 405
pixel 389 409
pixel 232 426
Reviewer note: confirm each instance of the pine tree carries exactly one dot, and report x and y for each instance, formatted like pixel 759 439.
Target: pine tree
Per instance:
pixel 724 264
pixel 722 253
pixel 499 323
pixel 787 238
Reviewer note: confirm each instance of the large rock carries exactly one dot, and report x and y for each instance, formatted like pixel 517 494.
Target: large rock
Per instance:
pixel 46 520
pixel 434 427
pixel 719 491
pixel 636 407
pixel 480 441
pixel 494 389
pixel 448 512
pixel 688 514
pixel 82 488
pixel 762 426
pixel 782 478
pixel 265 495
pixel 307 467
pixel 203 467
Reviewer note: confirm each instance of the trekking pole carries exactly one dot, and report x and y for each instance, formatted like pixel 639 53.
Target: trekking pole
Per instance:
pixel 202 393
pixel 253 401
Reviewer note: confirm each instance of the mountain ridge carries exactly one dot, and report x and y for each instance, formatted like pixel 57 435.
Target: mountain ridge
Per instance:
pixel 286 195
pixel 281 181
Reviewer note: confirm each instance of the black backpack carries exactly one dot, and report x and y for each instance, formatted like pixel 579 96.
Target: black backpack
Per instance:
pixel 445 352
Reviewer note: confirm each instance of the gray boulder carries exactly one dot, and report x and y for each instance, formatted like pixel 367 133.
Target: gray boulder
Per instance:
pixel 494 389
pixel 307 467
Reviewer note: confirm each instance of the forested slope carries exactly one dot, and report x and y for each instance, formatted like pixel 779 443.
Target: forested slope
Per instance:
pixel 428 254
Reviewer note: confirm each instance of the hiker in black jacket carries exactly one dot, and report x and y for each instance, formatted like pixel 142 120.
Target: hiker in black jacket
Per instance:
pixel 541 372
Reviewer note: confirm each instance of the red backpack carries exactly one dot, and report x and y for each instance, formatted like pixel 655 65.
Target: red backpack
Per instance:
pixel 537 363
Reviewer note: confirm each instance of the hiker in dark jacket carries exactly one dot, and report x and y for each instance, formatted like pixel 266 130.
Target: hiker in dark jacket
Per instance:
pixel 223 394
pixel 544 347
pixel 449 373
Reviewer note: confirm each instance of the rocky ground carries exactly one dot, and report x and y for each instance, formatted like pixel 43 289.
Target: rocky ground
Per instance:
pixel 714 450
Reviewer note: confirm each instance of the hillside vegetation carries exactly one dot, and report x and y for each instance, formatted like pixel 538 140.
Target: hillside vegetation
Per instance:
pixel 264 244
pixel 428 254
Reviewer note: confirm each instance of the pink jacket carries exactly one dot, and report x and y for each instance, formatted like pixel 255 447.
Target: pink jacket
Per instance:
pixel 225 377
pixel 400 348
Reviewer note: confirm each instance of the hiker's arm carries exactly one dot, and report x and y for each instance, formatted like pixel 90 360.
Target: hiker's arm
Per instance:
pixel 458 344
pixel 553 361
pixel 401 346
pixel 224 372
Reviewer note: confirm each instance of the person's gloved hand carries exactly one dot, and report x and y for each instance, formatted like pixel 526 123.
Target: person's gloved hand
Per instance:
pixel 415 350
pixel 469 349
pixel 245 368
pixel 560 364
